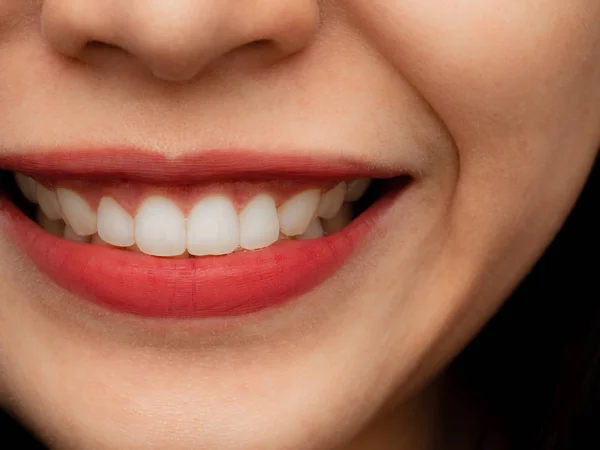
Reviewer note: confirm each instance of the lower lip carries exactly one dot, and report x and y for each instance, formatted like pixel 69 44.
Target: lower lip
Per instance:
pixel 142 285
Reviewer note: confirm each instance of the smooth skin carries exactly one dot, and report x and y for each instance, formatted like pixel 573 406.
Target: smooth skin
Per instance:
pixel 495 102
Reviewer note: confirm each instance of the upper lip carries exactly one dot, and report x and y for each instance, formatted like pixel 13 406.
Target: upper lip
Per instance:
pixel 138 165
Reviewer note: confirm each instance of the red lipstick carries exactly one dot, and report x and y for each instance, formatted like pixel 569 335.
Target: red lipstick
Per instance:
pixel 212 286
pixel 215 165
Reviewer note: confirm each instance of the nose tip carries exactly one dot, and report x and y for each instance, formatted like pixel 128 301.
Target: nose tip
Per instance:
pixel 177 39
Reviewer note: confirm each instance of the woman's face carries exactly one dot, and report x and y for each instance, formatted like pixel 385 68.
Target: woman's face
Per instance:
pixel 490 110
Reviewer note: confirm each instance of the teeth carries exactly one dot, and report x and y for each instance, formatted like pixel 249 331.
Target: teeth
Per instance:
pixel 54 227
pixel 115 225
pixel 48 202
pixel 212 227
pixel 70 234
pixel 76 212
pixel 314 231
pixel 296 214
pixel 160 228
pixel 332 201
pixel 357 188
pixel 259 225
pixel 27 185
pixel 343 218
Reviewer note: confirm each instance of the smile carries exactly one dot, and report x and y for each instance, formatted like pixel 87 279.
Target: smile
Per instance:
pixel 215 235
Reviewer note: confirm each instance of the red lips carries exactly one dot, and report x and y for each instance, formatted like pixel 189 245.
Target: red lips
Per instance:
pixel 143 285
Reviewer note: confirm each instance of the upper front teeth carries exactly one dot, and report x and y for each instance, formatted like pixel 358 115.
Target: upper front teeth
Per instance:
pixel 160 228
pixel 259 224
pixel 212 227
pixel 115 225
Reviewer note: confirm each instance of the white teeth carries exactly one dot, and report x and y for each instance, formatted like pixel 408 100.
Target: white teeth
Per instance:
pixel 259 225
pixel 314 231
pixel 54 227
pixel 160 228
pixel 343 218
pixel 48 202
pixel 332 201
pixel 76 212
pixel 115 225
pixel 212 227
pixel 296 214
pixel 357 188
pixel 70 234
pixel 27 185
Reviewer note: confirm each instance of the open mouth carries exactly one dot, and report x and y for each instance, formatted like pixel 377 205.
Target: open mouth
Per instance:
pixel 179 243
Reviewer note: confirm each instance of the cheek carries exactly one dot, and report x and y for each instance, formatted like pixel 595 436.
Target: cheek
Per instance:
pixel 492 66
pixel 517 85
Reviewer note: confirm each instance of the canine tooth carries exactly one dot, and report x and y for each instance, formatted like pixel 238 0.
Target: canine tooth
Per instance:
pixel 115 225
pixel 314 231
pixel 259 225
pixel 213 227
pixel 160 228
pixel 54 227
pixel 296 214
pixel 27 185
pixel 342 218
pixel 48 202
pixel 331 201
pixel 70 234
pixel 76 212
pixel 357 188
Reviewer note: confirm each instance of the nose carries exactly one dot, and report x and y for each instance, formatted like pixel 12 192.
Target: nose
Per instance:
pixel 177 39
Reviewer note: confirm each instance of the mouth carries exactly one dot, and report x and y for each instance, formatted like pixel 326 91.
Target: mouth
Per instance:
pixel 220 234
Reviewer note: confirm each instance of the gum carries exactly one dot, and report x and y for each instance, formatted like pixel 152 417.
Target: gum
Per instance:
pixel 130 195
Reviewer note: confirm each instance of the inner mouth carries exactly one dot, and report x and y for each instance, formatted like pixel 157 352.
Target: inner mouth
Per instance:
pixel 193 220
